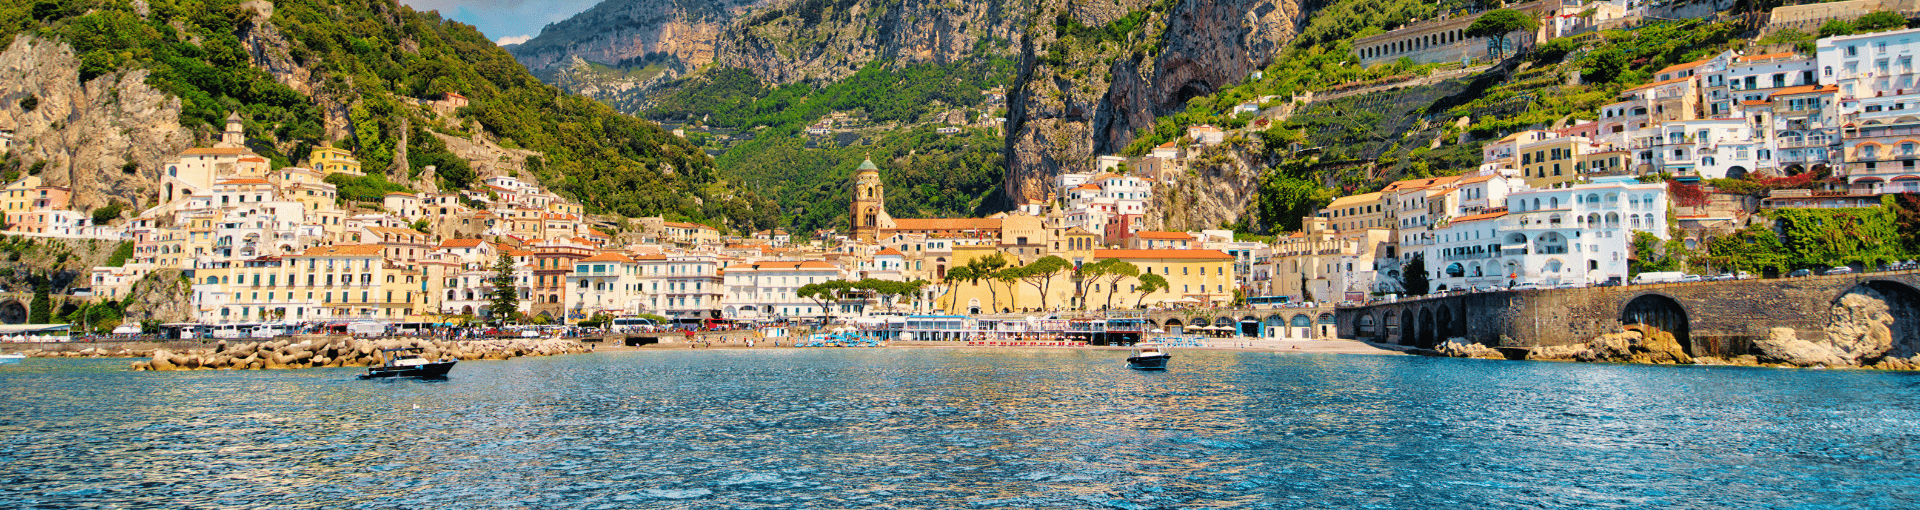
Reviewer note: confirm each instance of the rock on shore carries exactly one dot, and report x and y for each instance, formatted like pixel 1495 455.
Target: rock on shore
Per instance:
pixel 346 352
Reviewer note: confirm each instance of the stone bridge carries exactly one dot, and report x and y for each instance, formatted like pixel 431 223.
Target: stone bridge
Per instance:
pixel 1720 318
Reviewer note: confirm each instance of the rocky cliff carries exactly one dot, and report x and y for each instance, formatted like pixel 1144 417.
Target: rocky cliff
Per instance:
pixel 659 39
pixel 1078 99
pixel 87 133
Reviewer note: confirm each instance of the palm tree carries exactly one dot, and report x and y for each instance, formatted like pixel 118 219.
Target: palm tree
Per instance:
pixel 1149 283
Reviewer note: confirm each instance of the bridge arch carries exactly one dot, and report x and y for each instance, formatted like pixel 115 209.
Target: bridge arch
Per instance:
pixel 12 311
pixel 1443 327
pixel 1410 327
pixel 1390 327
pixel 1426 328
pixel 1902 302
pixel 1366 328
pixel 1663 312
pixel 1250 326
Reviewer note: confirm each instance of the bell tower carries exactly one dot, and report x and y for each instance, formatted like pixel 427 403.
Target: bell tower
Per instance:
pixel 234 136
pixel 869 203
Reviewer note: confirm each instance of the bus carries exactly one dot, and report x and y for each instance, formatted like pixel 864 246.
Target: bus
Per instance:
pixel 1261 302
pixel 631 324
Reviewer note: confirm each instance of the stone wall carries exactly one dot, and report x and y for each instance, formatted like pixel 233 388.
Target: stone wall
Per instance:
pixel 1722 319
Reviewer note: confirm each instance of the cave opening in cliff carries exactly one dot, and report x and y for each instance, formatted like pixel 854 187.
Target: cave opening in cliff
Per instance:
pixel 1663 313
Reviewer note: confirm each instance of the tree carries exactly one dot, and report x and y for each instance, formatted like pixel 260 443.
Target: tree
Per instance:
pixel 40 310
pixel 1306 294
pixel 107 213
pixel 1040 274
pixel 1149 283
pixel 1880 20
pixel 1906 219
pixel 1007 277
pixel 1496 24
pixel 985 268
pixel 506 297
pixel 1114 270
pixel 1413 275
pixel 963 273
pixel 1835 27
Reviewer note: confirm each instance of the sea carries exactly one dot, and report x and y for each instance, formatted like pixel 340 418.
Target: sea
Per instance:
pixel 960 428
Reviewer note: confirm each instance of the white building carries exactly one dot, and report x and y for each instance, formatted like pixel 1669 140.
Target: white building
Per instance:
pixel 1578 235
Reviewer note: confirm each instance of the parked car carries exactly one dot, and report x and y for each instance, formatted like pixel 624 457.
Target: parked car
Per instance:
pixel 1799 273
pixel 1721 277
pixel 1839 270
pixel 1611 282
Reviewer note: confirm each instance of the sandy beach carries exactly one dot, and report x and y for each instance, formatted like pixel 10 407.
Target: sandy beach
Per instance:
pixel 1251 345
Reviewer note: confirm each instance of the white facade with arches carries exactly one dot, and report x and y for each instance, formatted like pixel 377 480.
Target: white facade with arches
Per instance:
pixel 1581 235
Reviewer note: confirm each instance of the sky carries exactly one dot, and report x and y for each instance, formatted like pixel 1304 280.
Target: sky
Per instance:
pixel 505 21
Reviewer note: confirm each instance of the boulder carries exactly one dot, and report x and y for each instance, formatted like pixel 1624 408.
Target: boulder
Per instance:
pixel 1783 346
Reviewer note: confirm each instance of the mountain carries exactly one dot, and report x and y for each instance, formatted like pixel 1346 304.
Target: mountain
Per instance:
pixel 620 50
pixel 104 91
pixel 1072 79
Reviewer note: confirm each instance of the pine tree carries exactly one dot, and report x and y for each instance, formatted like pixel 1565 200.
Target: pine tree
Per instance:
pixel 40 310
pixel 506 299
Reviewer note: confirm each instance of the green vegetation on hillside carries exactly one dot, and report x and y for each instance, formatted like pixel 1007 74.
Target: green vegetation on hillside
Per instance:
pixel 927 174
pixel 1820 238
pixel 374 56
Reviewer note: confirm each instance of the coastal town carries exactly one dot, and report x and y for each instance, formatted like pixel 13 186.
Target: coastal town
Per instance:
pixel 1546 208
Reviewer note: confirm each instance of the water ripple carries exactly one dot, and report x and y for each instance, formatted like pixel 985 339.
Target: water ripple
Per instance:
pixel 960 429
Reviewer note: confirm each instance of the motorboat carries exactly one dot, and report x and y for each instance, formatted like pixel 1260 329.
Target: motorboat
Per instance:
pixel 1148 357
pixel 406 362
pixel 12 358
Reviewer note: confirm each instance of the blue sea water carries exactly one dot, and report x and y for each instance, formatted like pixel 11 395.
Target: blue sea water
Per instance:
pixel 907 428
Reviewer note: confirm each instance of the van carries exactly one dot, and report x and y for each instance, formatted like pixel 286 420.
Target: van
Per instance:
pixel 1659 277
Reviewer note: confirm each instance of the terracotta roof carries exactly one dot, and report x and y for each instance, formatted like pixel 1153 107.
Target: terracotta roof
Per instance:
pixel 1480 179
pixel 1162 254
pixel 1755 102
pixel 1354 200
pixel 890 251
pixel 946 224
pixel 461 243
pixel 519 253
pixel 1167 145
pixel 1677 67
pixel 395 231
pixel 787 264
pixel 220 151
pixel 343 250
pixel 1802 89
pixel 593 232
pixel 1104 176
pixel 1154 234
pixel 400 193
pixel 1482 216
pixel 608 257
pixel 1769 56
pixel 1656 84
pixel 1088 186
pixel 253 160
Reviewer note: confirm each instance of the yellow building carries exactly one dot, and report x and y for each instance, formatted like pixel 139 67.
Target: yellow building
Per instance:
pixel 331 160
pixel 1554 162
pixel 18 197
pixel 1356 212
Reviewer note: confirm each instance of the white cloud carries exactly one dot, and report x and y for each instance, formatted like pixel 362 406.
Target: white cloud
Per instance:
pixel 515 39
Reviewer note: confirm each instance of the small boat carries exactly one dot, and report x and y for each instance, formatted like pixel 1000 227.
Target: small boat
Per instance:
pixel 1148 357
pixel 12 358
pixel 406 362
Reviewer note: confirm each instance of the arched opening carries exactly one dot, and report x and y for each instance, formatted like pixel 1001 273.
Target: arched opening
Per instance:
pixel 1249 326
pixel 12 312
pixel 1274 326
pixel 1174 326
pixel 1736 172
pixel 1443 329
pixel 1326 325
pixel 1425 340
pixel 1661 312
pixel 1875 308
pixel 1391 328
pixel 1365 328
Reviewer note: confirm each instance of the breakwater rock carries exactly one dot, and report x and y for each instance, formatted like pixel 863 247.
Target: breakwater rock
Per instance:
pixel 346 352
